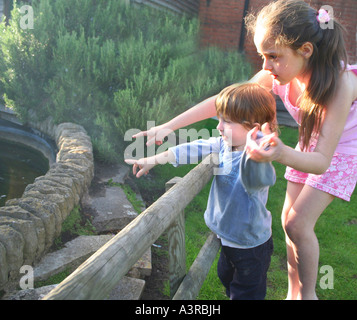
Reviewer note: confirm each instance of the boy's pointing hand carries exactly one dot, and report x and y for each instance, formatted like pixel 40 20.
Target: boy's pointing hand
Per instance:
pixel 144 165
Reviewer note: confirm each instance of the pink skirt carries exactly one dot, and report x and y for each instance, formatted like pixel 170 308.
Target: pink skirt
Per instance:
pixel 339 179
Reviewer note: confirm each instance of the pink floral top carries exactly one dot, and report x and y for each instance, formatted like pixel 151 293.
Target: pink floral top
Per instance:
pixel 348 141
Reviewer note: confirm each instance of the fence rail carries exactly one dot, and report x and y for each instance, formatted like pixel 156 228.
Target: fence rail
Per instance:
pixel 98 275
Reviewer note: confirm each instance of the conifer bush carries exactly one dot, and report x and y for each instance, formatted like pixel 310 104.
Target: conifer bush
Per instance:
pixel 108 66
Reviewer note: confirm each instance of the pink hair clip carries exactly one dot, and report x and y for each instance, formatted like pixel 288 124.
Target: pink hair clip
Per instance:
pixel 323 16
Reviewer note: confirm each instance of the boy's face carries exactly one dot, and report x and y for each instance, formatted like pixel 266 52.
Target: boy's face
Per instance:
pixel 233 133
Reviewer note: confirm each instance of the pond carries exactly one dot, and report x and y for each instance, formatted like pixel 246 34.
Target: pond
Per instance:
pixel 25 154
pixel 19 166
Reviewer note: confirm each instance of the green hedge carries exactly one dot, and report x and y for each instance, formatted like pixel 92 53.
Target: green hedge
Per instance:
pixel 109 67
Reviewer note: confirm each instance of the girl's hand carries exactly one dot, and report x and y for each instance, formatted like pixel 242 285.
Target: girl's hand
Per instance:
pixel 154 135
pixel 266 149
pixel 144 165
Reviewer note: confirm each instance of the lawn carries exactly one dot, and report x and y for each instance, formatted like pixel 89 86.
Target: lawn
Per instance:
pixel 336 231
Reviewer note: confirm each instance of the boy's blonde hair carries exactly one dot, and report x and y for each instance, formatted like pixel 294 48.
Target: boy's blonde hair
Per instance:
pixel 247 104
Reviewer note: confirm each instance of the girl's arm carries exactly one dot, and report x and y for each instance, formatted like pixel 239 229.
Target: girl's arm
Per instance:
pixel 316 162
pixel 204 110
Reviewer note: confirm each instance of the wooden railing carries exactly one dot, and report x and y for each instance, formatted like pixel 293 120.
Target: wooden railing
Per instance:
pixel 98 275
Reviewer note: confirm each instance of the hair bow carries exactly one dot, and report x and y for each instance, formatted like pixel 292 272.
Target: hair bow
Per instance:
pixel 323 16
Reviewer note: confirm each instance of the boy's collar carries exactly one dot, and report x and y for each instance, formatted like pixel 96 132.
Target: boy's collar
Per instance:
pixel 236 149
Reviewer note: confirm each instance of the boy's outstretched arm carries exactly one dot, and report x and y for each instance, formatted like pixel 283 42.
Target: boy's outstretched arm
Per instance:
pixel 146 164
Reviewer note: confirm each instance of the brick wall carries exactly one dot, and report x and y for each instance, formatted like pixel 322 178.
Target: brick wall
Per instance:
pixel 189 7
pixel 221 24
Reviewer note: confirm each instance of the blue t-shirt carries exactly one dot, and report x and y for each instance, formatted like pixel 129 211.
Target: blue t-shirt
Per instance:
pixel 236 209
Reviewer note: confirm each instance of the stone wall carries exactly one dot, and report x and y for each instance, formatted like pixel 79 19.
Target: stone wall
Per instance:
pixel 29 225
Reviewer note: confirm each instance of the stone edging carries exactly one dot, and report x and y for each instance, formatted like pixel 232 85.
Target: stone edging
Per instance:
pixel 29 225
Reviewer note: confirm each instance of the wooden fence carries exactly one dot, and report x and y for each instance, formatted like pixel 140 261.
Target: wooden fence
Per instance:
pixel 98 275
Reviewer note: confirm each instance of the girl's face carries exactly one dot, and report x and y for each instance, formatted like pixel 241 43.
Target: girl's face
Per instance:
pixel 233 133
pixel 283 63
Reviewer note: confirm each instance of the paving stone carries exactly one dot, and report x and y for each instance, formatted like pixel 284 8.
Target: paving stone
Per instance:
pixel 76 252
pixel 111 211
pixel 71 256
pixel 128 289
pixel 31 294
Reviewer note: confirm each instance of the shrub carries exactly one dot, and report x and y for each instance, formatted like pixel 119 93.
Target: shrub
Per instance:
pixel 108 66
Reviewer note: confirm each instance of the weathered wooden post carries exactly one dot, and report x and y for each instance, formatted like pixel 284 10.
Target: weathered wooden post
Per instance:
pixel 177 249
pixel 193 281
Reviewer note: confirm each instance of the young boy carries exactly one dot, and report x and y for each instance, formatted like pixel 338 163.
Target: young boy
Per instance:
pixel 236 209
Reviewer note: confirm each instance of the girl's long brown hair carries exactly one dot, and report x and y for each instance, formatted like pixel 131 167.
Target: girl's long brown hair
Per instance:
pixel 292 23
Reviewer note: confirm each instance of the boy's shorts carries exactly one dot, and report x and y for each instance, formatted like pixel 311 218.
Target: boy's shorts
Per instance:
pixel 339 179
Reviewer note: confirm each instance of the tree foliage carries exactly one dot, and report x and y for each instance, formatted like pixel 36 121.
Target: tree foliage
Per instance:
pixel 108 66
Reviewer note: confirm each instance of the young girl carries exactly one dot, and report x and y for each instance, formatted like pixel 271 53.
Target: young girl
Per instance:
pixel 306 65
pixel 236 209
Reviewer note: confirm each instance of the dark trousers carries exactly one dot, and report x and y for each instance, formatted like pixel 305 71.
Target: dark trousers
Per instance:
pixel 243 272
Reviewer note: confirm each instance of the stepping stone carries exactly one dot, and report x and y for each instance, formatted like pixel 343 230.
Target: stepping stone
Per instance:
pixel 116 172
pixel 76 252
pixel 71 256
pixel 110 209
pixel 108 205
pixel 127 289
pixel 31 294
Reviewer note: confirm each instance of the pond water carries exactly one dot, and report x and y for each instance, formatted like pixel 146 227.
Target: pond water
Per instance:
pixel 19 166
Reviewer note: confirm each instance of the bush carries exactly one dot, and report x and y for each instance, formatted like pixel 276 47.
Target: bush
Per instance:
pixel 108 66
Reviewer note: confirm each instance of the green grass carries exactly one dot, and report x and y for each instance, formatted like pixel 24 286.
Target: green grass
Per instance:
pixel 76 224
pixel 336 231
